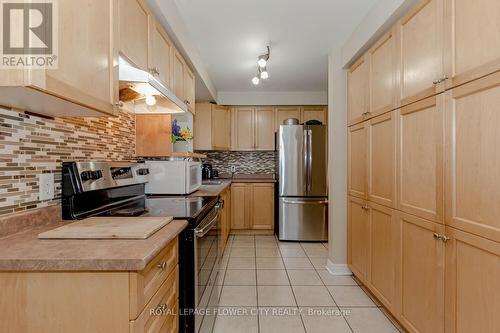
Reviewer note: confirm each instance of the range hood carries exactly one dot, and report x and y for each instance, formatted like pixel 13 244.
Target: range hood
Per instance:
pixel 141 92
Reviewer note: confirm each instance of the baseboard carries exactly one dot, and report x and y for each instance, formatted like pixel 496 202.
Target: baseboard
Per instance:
pixel 337 269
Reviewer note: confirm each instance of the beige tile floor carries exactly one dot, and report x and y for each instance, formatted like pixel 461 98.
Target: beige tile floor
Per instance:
pixel 272 286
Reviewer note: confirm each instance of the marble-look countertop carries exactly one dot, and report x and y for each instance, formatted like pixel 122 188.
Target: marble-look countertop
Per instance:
pixel 215 190
pixel 23 251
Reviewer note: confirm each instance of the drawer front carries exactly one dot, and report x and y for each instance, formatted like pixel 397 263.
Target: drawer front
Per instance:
pixel 144 284
pixel 160 314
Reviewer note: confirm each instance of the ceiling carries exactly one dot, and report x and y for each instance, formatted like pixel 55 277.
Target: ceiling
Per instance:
pixel 230 34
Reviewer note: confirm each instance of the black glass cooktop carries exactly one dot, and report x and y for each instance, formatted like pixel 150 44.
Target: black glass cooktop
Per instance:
pixel 181 208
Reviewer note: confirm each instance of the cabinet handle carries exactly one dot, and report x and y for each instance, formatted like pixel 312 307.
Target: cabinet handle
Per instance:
pixel 444 238
pixel 436 236
pixel 162 265
pixel 438 81
pixel 119 104
pixel 154 71
pixel 187 102
pixel 365 207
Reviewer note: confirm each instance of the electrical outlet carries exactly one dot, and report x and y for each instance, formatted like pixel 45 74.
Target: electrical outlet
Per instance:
pixel 45 186
pixel 233 169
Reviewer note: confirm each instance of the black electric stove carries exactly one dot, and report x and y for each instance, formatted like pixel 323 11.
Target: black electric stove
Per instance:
pixel 117 189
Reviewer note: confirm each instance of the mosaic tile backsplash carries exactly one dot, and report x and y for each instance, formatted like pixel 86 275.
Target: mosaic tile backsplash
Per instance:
pixel 31 145
pixel 253 162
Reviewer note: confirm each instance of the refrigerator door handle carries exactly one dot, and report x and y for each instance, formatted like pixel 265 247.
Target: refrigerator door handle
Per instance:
pixel 296 202
pixel 309 160
pixel 306 161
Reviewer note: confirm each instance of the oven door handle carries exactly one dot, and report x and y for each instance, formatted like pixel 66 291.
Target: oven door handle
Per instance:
pixel 205 227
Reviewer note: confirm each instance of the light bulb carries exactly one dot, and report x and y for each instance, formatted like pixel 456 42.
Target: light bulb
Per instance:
pixel 262 62
pixel 255 80
pixel 150 100
pixel 264 75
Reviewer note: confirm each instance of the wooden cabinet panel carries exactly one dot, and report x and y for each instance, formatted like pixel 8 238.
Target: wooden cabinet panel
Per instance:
pixel 240 206
pixel 472 39
pixel 315 113
pixel 358 233
pixel 178 76
pixel 422 275
pixel 221 127
pixel 384 255
pixel 420 159
pixel 133 32
pixel 357 161
pixel 382 159
pixel 153 134
pixel 264 128
pixel 473 157
pixel 472 283
pixel 202 127
pixel 421 48
pixel 263 206
pixel 244 128
pixel 383 72
pixel 189 93
pixel 358 91
pixel 161 50
pixel 285 112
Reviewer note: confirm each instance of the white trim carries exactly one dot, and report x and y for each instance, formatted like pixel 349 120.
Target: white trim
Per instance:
pixel 337 269
pixel 272 98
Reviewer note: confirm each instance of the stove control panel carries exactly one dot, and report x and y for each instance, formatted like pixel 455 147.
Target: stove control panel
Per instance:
pixel 91 175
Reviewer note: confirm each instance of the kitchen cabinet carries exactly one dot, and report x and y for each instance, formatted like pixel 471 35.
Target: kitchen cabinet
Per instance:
pixel 153 134
pixel 472 284
pixel 358 91
pixel 178 72
pixel 254 128
pixel 421 50
pixel 244 128
pixel 358 235
pixel 285 112
pixel 212 127
pixel 422 275
pixel 357 161
pixel 85 82
pixel 472 40
pixel 383 74
pixel 252 207
pixel 264 137
pixel 381 164
pixel 104 301
pixel 189 89
pixel 161 50
pixel 134 27
pixel 315 113
pixel 225 218
pixel 420 159
pixel 472 157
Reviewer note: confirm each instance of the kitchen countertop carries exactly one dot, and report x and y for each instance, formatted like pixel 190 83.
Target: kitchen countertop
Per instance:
pixel 23 251
pixel 215 190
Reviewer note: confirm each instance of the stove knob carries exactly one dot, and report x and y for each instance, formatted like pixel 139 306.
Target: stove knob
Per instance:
pixel 97 175
pixel 143 172
pixel 91 175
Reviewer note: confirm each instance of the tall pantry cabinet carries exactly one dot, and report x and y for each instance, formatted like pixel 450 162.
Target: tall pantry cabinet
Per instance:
pixel 423 179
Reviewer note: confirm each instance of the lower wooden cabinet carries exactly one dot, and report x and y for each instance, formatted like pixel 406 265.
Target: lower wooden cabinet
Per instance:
pixel 252 207
pixel 225 217
pixel 358 234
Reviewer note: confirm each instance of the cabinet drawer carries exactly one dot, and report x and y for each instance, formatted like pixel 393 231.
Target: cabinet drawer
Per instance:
pixel 144 284
pixel 160 314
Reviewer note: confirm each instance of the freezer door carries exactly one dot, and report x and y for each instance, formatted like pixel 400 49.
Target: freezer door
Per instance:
pixel 317 161
pixel 292 171
pixel 303 219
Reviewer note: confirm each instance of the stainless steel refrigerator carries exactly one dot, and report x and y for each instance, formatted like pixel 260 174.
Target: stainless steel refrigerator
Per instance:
pixel 303 183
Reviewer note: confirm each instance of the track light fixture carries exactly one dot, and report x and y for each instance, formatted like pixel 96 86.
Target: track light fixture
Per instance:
pixel 262 67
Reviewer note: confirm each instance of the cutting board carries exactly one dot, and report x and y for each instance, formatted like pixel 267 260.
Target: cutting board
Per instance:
pixel 109 228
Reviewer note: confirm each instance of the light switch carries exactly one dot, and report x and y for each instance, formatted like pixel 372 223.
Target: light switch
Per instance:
pixel 45 186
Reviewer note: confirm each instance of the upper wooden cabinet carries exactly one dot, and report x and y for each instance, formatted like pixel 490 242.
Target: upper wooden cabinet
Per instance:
pixel 244 125
pixel 421 49
pixel 134 26
pixel 161 51
pixel 285 112
pixel 253 128
pixel 85 82
pixel 264 128
pixel 358 91
pixel 315 113
pixel 153 132
pixel 178 75
pixel 189 87
pixel 212 127
pixel 383 74
pixel 473 157
pixel 472 39
pixel 420 159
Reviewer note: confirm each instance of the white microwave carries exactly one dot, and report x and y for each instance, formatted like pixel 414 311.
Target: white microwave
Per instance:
pixel 173 177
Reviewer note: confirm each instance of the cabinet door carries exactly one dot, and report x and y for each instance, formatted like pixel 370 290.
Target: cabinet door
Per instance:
pixel 472 283
pixel 263 206
pixel 264 129
pixel 421 49
pixel 153 134
pixel 244 128
pixel 383 72
pixel 202 127
pixel 178 75
pixel 384 255
pixel 420 159
pixel 85 72
pixel 473 157
pixel 382 159
pixel 358 237
pixel 357 91
pixel 422 275
pixel 161 48
pixel 472 39
pixel 240 206
pixel 315 113
pixel 133 31
pixel 283 113
pixel 221 128
pixel 189 89
pixel 357 161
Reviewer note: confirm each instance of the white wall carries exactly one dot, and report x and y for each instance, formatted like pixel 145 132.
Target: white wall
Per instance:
pixel 272 98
